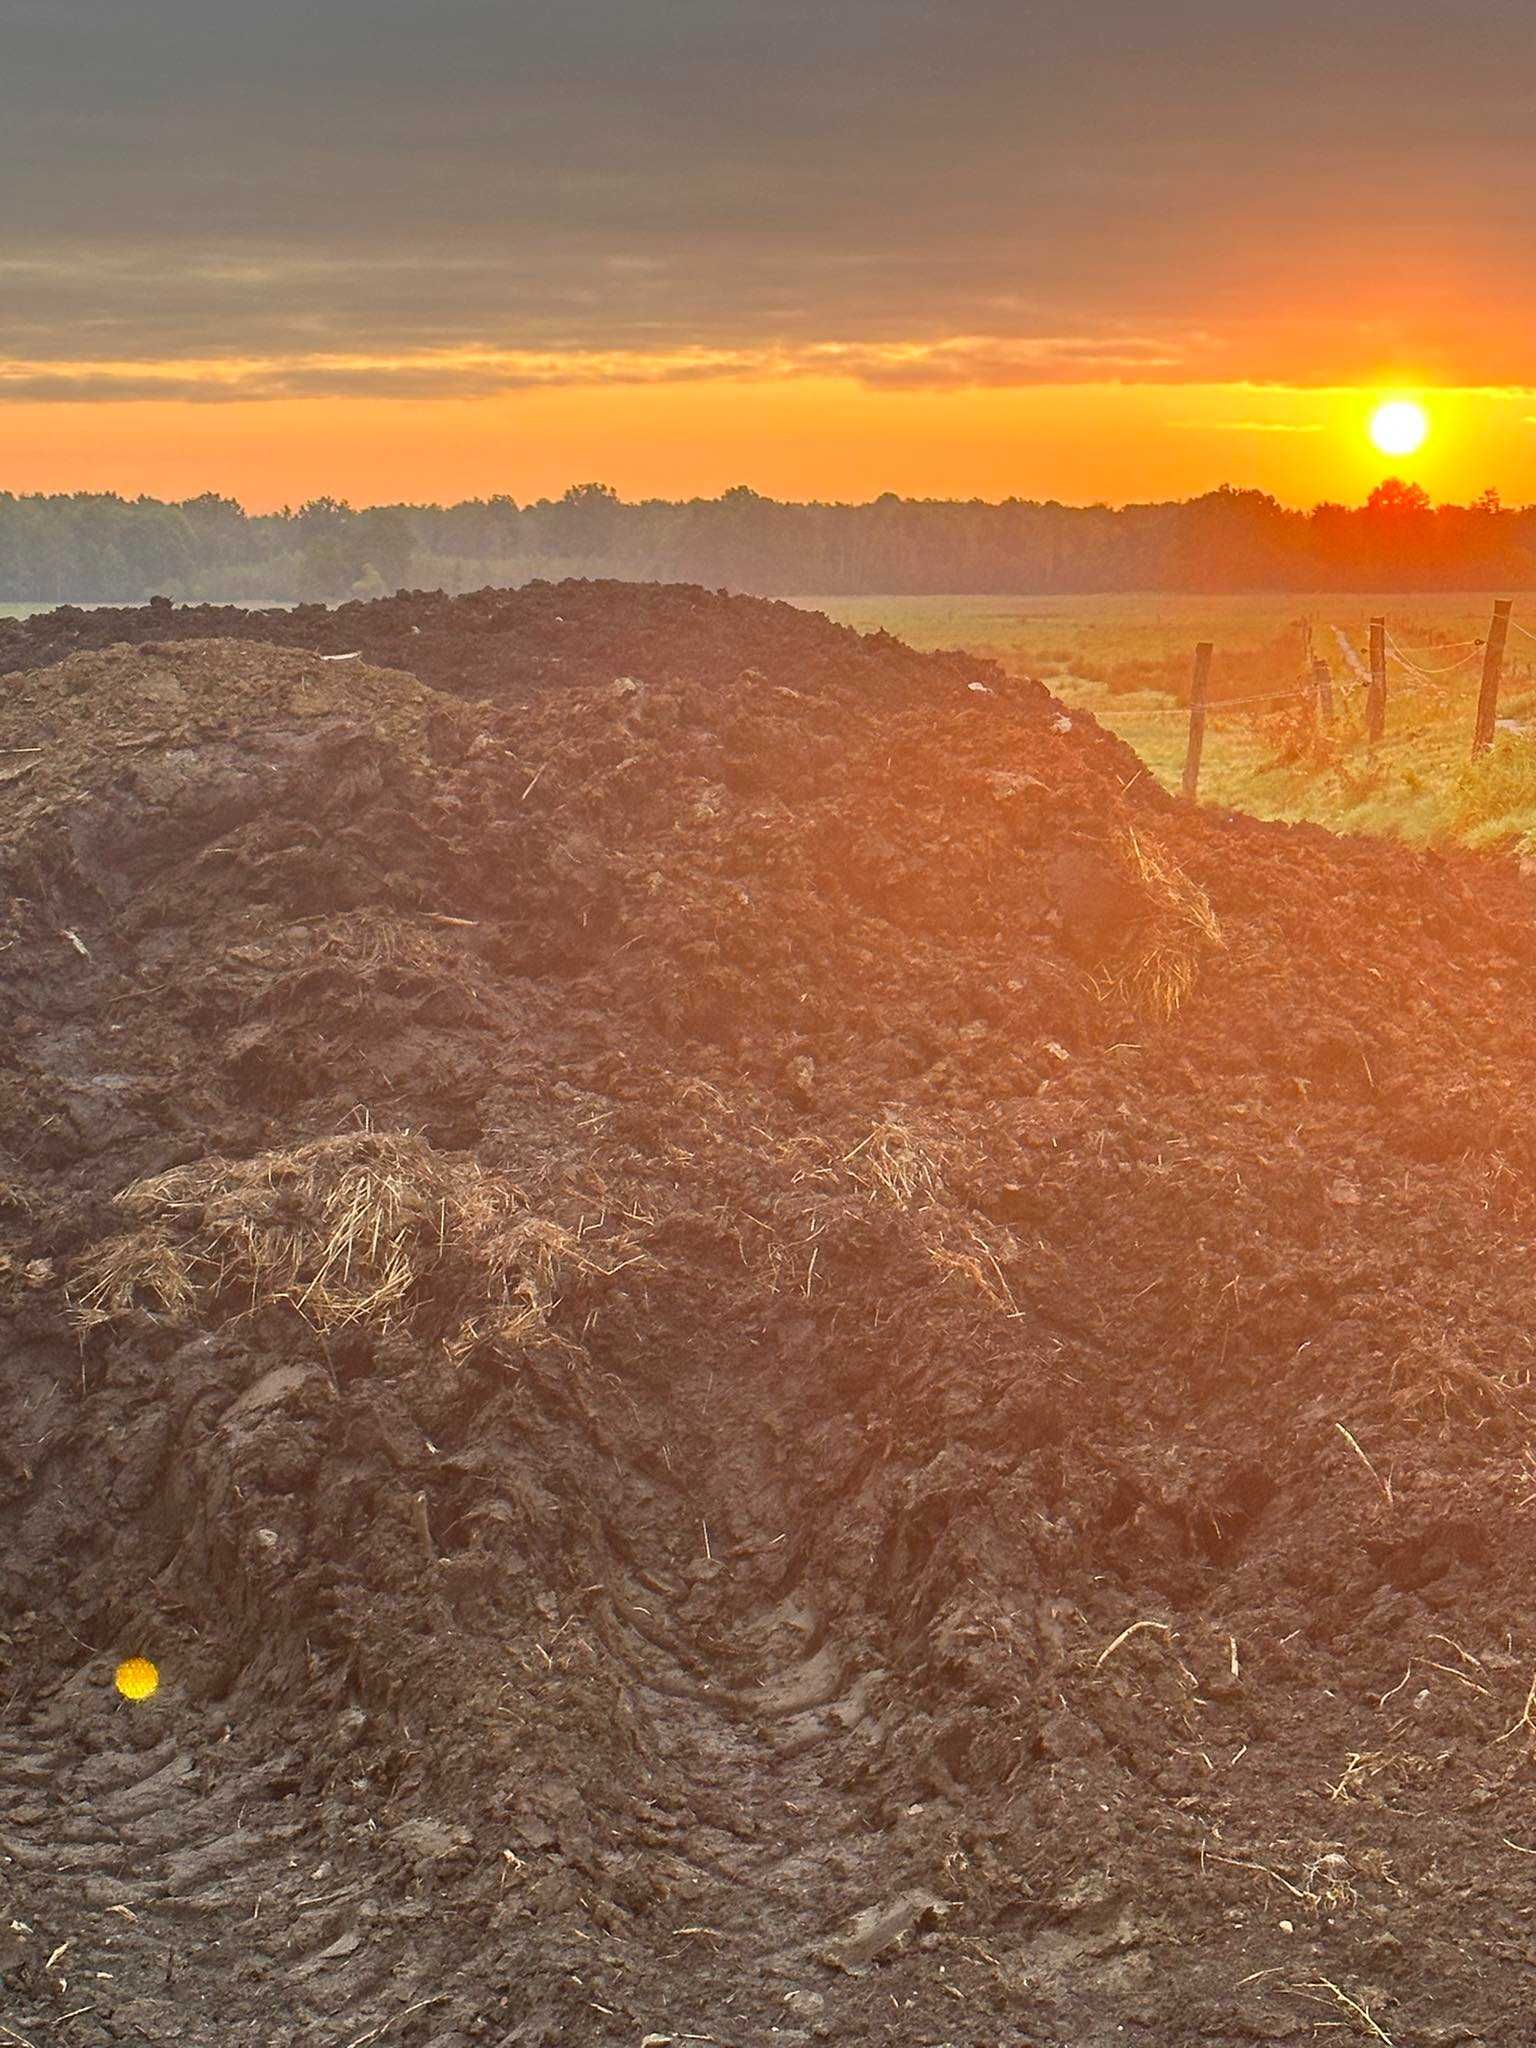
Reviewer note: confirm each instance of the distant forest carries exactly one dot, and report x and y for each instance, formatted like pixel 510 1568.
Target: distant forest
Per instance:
pixel 102 548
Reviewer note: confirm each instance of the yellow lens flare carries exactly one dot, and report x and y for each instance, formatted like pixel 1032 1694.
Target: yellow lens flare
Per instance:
pixel 137 1679
pixel 1400 426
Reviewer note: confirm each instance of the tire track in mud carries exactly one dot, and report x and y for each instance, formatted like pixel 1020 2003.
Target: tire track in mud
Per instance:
pixel 773 1851
pixel 134 1855
pixel 758 1711
pixel 159 1876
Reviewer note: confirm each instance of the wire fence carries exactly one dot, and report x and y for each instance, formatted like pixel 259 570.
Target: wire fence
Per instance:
pixel 1408 708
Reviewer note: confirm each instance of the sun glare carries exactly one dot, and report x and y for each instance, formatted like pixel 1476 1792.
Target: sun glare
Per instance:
pixel 1400 427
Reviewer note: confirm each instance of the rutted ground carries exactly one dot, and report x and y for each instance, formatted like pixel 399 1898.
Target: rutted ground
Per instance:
pixel 769 1355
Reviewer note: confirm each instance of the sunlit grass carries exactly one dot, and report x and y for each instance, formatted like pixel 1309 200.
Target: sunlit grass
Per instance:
pixel 1127 660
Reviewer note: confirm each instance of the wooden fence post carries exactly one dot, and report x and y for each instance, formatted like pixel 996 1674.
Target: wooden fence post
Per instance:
pixel 1197 695
pixel 1493 669
pixel 1322 683
pixel 1376 696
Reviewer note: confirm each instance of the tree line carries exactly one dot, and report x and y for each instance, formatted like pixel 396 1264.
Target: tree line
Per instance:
pixel 101 548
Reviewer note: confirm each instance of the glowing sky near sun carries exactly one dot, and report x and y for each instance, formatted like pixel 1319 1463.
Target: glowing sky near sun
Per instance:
pixel 795 438
pixel 390 248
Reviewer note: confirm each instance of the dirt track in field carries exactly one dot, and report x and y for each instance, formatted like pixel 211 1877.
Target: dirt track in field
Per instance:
pixel 856 1480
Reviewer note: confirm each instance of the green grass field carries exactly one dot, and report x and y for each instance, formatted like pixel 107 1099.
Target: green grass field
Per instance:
pixel 1127 660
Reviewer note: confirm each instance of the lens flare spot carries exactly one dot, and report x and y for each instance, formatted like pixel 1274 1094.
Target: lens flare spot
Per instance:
pixel 137 1679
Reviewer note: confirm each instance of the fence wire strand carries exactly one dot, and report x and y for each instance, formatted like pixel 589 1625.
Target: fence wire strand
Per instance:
pixel 1429 674
pixel 1422 746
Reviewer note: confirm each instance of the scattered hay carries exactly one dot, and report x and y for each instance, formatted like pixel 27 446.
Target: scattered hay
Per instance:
pixel 978 1268
pixel 1375 1776
pixel 367 940
pixel 363 1228
pixel 1358 2015
pixel 364 943
pixel 123 1272
pixel 20 1272
pixel 1160 962
pixel 1325 1883
pixel 895 1163
pixel 1434 1380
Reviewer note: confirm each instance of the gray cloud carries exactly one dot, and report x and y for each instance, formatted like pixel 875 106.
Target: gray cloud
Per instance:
pixel 1129 190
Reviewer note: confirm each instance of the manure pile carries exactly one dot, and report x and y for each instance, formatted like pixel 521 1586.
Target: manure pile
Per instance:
pixel 768 1355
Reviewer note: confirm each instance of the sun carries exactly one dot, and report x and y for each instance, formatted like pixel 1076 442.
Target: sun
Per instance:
pixel 1400 427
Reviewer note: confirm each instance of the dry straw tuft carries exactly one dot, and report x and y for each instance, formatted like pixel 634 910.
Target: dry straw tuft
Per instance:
pixel 1161 960
pixel 895 1162
pixel 1435 1380
pixel 365 1228
pixel 368 939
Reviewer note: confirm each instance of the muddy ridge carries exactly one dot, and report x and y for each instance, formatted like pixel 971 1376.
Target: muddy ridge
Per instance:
pixel 769 1356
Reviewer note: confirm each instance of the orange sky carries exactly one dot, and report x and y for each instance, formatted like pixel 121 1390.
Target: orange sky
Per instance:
pixel 796 437
pixel 413 249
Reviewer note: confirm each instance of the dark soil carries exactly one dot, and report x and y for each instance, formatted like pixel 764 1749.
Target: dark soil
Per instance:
pixel 513 644
pixel 1014 1520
